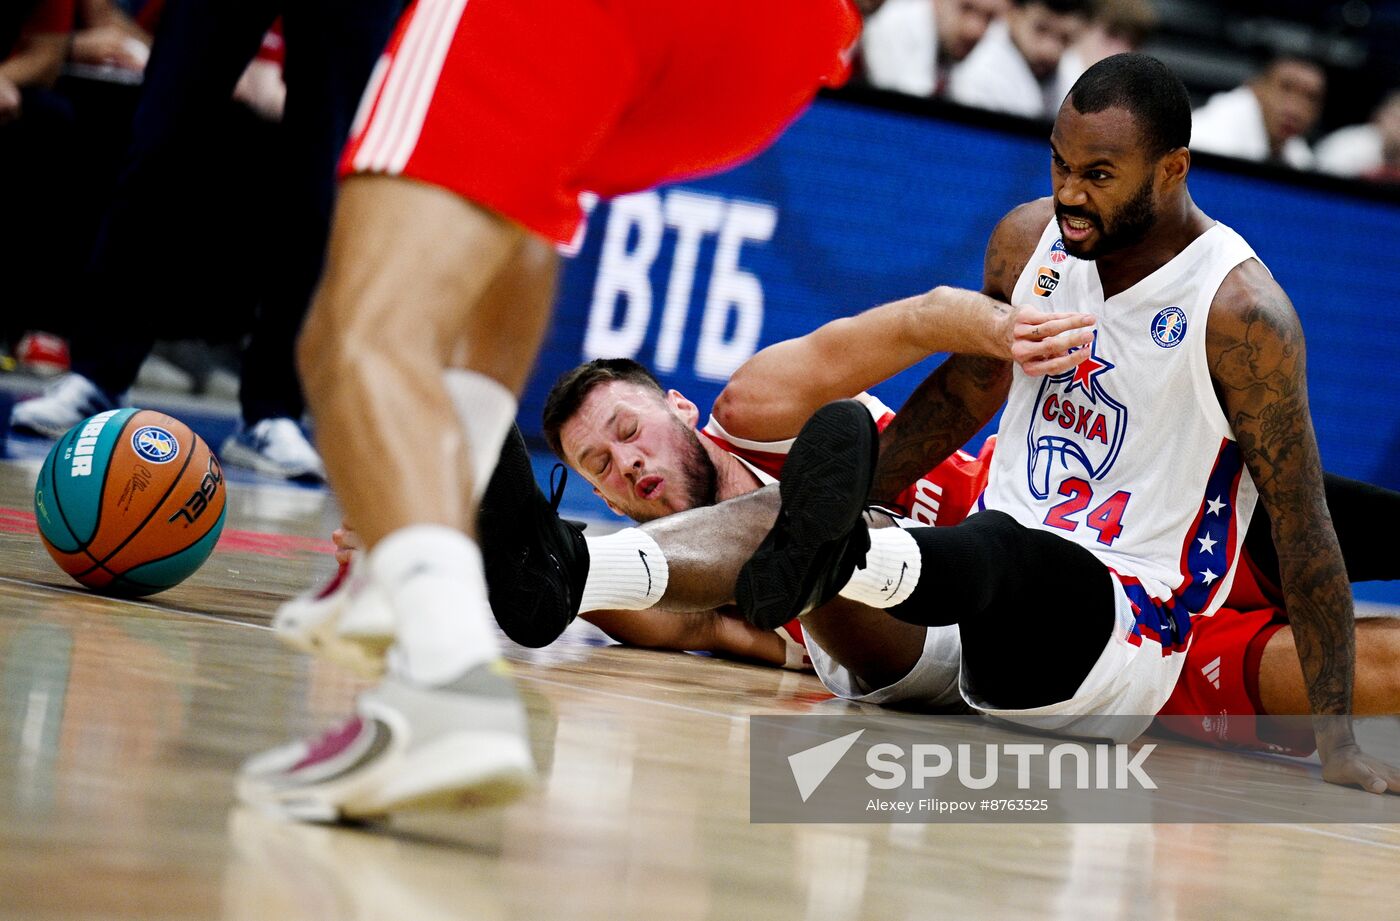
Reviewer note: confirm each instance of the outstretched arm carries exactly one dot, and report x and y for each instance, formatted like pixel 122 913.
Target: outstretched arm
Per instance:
pixel 774 392
pixel 1257 357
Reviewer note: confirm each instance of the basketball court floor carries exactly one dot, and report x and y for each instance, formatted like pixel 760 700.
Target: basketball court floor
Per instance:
pixel 122 724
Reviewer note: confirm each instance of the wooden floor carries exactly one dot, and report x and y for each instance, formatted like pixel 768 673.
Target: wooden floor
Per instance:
pixel 122 724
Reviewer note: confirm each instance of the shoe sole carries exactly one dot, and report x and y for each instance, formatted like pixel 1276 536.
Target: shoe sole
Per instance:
pixel 469 770
pixel 824 485
pixel 538 615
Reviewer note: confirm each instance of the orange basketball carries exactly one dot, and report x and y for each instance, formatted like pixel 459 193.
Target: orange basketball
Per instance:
pixel 130 502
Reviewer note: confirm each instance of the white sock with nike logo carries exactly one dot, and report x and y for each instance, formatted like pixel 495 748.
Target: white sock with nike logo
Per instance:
pixel 891 570
pixel 626 572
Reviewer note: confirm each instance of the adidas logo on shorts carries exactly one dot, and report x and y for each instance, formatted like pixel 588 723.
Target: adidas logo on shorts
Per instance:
pixel 1212 672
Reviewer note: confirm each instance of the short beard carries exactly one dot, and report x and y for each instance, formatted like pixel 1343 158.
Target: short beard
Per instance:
pixel 1130 226
pixel 701 477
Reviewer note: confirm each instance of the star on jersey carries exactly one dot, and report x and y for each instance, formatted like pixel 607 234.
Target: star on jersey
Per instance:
pixel 1208 577
pixel 1207 544
pixel 1215 505
pixel 1088 369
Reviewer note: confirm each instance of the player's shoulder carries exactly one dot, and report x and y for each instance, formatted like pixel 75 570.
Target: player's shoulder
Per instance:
pixel 1250 308
pixel 1248 292
pixel 1012 244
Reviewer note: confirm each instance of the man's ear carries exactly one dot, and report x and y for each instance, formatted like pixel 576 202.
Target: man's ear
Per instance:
pixel 687 410
pixel 612 508
pixel 1174 166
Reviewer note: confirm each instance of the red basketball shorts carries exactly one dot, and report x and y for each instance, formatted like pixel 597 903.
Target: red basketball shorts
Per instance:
pixel 1216 699
pixel 520 105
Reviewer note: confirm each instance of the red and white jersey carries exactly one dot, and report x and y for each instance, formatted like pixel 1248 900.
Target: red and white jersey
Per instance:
pixel 944 495
pixel 1130 455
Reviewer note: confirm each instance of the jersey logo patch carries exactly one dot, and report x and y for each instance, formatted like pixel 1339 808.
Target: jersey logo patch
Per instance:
pixel 1169 327
pixel 1077 428
pixel 1057 252
pixel 1046 281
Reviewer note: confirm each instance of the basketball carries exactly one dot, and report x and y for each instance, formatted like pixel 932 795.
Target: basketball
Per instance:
pixel 130 502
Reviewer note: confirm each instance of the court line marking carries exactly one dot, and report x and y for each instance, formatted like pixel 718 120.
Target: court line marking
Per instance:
pixel 134 602
pixel 727 717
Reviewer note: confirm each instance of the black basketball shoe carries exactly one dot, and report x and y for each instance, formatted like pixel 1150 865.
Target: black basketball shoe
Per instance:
pixel 820 537
pixel 536 562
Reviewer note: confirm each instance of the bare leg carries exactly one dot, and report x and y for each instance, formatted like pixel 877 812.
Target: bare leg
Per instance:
pixel 385 323
pixel 705 549
pixel 1377 688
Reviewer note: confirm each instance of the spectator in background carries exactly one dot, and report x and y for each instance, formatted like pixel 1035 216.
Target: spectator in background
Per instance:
pixel 910 46
pixel 1117 27
pixel 202 48
pixel 1369 151
pixel 36 144
pixel 1015 68
pixel 1267 118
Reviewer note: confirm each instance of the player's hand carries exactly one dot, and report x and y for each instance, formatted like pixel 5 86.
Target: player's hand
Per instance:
pixel 1348 766
pixel 347 543
pixel 1049 343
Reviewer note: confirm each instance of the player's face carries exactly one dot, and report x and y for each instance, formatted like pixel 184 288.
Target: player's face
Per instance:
pixel 1104 185
pixel 962 23
pixel 1043 35
pixel 639 450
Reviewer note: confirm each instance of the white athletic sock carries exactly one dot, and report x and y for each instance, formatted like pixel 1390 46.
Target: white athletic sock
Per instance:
pixel 626 572
pixel 891 570
pixel 486 409
pixel 433 579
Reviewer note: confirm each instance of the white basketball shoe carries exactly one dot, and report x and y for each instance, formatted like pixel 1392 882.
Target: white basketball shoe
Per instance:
pixel 346 621
pixel 406 747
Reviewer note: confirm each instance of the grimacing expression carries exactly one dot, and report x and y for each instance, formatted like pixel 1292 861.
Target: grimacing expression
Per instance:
pixel 962 23
pixel 639 450
pixel 1104 181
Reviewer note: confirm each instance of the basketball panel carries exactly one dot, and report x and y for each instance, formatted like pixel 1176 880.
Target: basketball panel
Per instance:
pixel 159 575
pixel 192 509
pixel 80 467
pixel 58 537
pixel 139 483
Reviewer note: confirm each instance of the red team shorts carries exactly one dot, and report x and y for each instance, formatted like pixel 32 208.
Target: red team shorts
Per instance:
pixel 520 105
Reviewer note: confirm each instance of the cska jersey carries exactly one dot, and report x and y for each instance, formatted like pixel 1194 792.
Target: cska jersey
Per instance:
pixel 1130 454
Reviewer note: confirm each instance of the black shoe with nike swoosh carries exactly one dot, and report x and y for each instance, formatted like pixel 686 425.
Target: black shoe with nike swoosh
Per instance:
pixel 820 536
pixel 536 562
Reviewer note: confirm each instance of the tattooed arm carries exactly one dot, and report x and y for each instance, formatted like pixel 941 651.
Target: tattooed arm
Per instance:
pixel 964 392
pixel 1255 347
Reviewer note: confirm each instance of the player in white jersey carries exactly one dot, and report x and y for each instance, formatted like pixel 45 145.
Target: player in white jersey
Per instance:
pixel 1121 490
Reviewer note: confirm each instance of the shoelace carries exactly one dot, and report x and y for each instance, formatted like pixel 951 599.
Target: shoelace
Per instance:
pixel 558 479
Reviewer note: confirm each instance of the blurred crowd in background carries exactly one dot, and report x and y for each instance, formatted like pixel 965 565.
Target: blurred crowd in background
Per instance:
pixel 144 151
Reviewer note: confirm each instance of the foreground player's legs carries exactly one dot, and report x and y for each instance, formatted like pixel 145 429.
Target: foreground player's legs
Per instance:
pixel 407 263
pixel 408 266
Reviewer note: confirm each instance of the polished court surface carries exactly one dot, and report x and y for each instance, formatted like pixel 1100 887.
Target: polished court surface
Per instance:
pixel 122 724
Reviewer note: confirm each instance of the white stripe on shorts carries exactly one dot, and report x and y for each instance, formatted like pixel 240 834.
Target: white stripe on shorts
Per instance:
pixel 412 77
